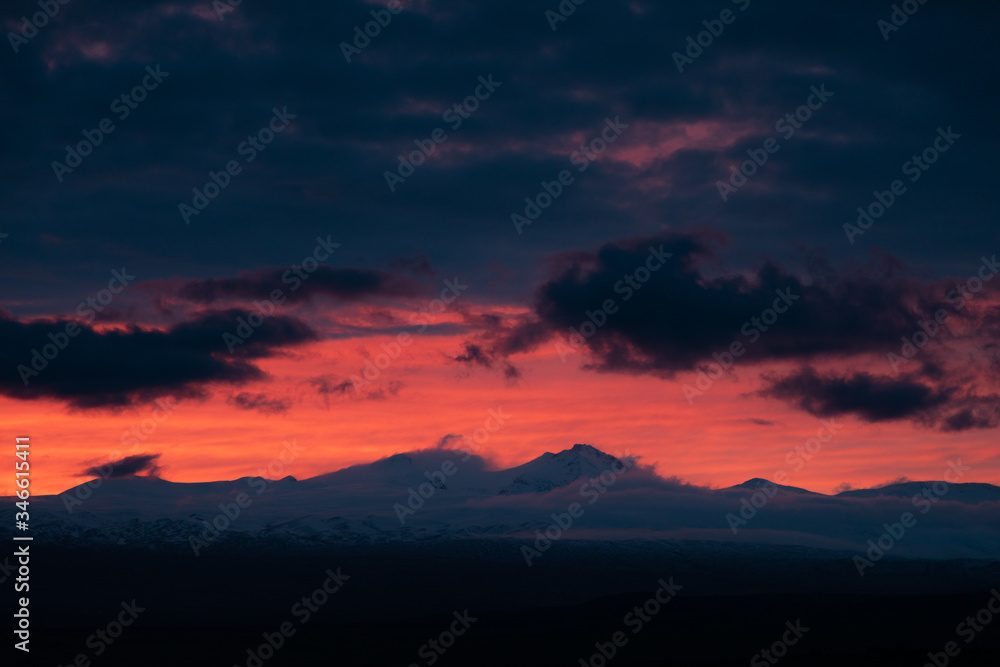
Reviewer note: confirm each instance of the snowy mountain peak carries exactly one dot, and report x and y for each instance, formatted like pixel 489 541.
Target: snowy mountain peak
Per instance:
pixel 760 482
pixel 551 471
pixel 454 496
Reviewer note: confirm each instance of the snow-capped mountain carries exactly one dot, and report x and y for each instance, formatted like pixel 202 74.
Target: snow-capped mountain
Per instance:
pixel 758 482
pixel 552 471
pixel 448 494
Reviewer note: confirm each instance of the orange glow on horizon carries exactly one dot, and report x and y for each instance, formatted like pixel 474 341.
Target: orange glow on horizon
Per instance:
pixel 714 441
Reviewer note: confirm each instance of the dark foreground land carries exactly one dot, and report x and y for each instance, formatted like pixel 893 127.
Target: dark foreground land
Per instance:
pixel 393 599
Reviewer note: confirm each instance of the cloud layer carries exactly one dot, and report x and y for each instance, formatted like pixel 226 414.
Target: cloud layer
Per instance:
pixel 123 367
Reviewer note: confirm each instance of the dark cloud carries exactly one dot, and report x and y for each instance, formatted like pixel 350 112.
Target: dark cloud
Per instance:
pixel 130 465
pixel 355 387
pixel 474 354
pixel 259 402
pixel 326 172
pixel 511 373
pixel 338 284
pixel 328 385
pixel 451 441
pixel 119 368
pixel 383 392
pixel 689 310
pixel 973 413
pixel 276 331
pixel 879 399
pixel 871 398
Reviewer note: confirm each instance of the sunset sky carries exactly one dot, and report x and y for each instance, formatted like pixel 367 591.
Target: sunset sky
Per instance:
pixel 413 304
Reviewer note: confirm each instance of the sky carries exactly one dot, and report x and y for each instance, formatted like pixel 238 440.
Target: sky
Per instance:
pixel 732 238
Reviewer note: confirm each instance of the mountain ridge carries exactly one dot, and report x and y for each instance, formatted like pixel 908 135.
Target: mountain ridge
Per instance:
pixel 445 494
pixel 545 472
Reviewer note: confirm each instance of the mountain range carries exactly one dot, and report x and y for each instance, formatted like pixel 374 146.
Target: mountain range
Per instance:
pixel 449 494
